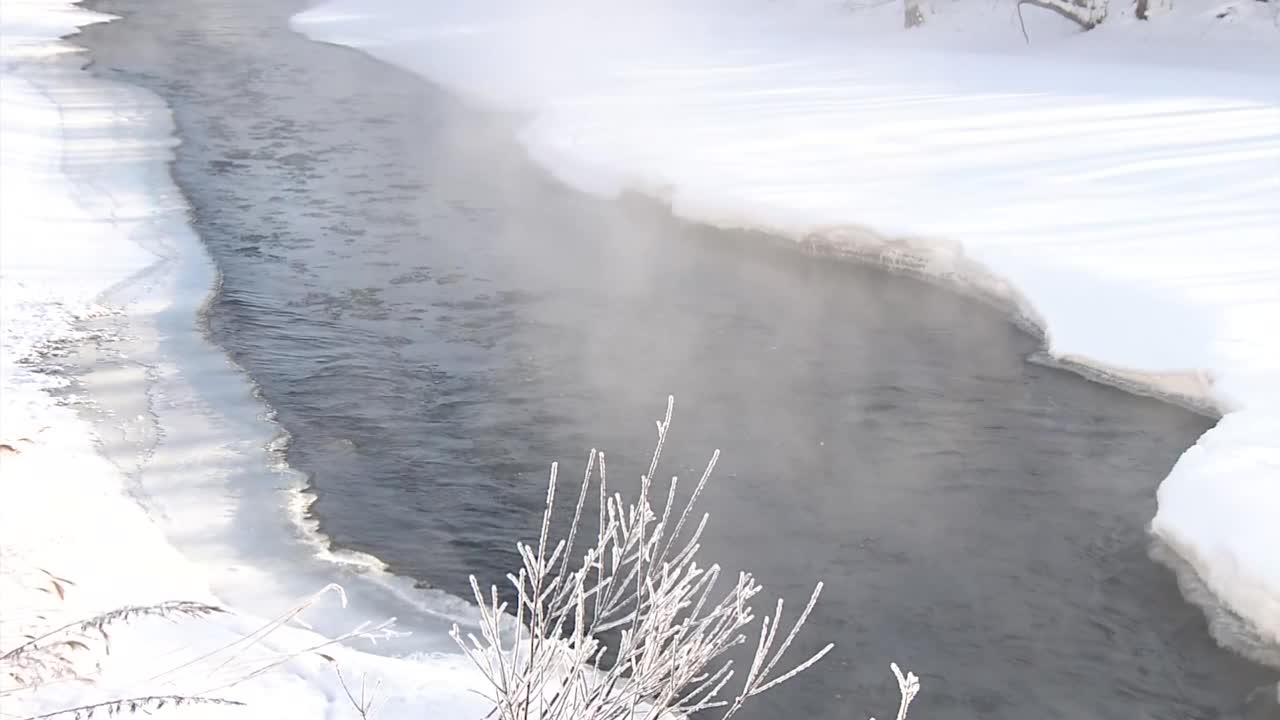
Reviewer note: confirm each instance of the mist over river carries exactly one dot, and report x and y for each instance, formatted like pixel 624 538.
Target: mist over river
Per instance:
pixel 434 320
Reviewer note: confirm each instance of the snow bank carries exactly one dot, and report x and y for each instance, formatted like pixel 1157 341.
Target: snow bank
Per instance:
pixel 1121 188
pixel 93 237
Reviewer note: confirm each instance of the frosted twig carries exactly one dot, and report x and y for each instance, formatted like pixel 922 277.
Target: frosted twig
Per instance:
pixel 640 586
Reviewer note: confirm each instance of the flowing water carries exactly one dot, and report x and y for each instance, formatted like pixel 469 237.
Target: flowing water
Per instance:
pixel 434 321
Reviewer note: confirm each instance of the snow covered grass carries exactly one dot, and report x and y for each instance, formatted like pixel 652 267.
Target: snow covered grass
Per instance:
pixel 1120 188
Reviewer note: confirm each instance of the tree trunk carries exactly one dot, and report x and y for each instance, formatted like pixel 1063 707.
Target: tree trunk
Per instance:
pixel 912 15
pixel 1145 9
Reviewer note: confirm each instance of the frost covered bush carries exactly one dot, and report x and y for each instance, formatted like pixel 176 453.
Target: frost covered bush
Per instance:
pixel 640 583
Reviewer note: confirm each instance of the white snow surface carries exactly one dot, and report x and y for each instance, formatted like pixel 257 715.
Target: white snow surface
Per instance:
pixel 92 228
pixel 1120 188
pixel 1122 183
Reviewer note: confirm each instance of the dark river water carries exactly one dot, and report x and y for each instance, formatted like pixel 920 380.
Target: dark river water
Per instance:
pixel 434 321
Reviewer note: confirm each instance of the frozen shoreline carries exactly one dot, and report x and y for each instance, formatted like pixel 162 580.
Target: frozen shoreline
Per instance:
pixel 122 425
pixel 115 286
pixel 1117 188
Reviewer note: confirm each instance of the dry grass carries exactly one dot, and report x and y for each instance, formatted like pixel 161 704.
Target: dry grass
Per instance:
pixel 129 706
pixel 53 655
pixel 44 663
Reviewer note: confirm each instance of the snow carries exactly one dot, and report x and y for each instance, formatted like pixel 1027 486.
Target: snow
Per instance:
pixel 1119 188
pixel 122 484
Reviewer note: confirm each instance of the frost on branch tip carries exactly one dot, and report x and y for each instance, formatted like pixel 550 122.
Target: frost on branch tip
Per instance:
pixel 908 688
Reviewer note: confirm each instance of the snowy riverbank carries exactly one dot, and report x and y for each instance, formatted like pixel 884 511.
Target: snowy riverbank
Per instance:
pixel 1119 188
pixel 142 495
pixel 133 486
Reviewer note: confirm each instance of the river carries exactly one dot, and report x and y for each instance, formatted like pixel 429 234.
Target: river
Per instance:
pixel 434 321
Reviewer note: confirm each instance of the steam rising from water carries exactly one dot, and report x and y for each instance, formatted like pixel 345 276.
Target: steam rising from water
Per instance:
pixel 434 321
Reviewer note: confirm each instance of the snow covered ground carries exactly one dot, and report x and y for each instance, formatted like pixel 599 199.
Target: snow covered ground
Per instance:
pixel 1119 188
pixel 96 257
